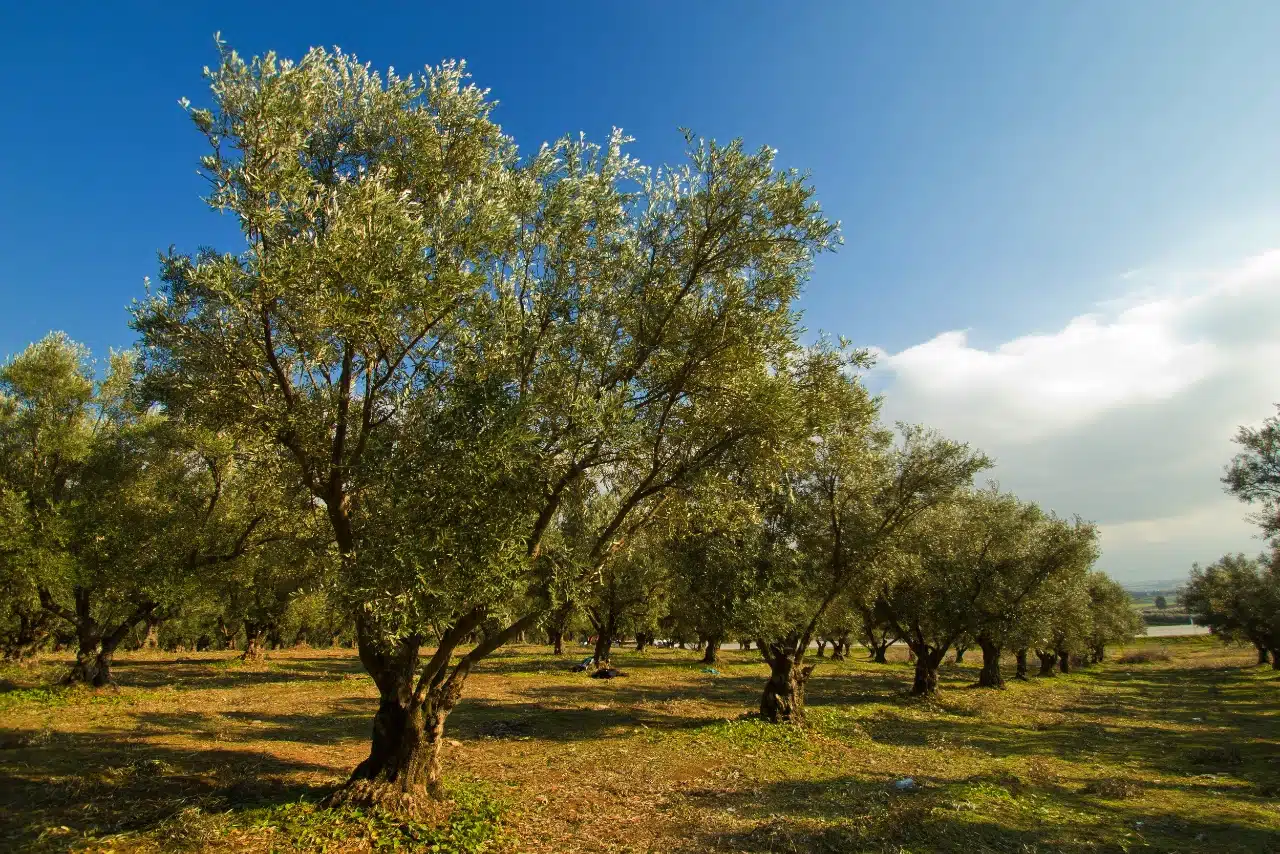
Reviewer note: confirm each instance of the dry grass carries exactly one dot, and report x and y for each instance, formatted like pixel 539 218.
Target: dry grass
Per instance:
pixel 194 752
pixel 1146 656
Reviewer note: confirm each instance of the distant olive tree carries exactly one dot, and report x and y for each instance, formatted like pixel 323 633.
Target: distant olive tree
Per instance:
pixel 1238 598
pixel 1253 475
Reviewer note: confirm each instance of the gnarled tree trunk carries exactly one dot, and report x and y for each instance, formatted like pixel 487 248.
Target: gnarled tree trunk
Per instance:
pixel 556 638
pixel 839 648
pixel 404 755
pixel 1021 657
pixel 31 632
pixel 1048 661
pixel 255 648
pixel 95 644
pixel 1064 660
pixel 990 676
pixel 960 651
pixel 1098 654
pixel 878 652
pixel 822 648
pixel 712 653
pixel 783 698
pixel 928 660
pixel 643 639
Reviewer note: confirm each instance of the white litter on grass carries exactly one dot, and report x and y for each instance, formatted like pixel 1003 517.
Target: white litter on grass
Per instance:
pixel 905 784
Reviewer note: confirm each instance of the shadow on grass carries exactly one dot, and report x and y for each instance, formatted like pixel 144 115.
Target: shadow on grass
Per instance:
pixel 981 814
pixel 63 787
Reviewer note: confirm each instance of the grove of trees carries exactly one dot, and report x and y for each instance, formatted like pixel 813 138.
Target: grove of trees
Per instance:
pixel 446 396
pixel 1236 596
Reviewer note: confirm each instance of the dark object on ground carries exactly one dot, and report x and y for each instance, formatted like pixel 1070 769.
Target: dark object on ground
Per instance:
pixel 607 673
pixel 582 665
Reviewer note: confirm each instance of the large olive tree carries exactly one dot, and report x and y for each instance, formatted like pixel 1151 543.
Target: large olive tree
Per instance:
pixel 447 340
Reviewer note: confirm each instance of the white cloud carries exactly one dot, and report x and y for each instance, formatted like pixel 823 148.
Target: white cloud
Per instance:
pixel 1124 415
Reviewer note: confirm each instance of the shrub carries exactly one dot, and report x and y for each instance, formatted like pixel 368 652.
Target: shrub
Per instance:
pixel 1145 656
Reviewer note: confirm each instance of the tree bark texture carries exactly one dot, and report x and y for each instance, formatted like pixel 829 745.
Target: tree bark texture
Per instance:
pixel 1048 661
pixel 255 648
pixel 990 676
pixel 783 698
pixel 926 678
pixel 878 652
pixel 712 653
pixel 1021 672
pixel 96 644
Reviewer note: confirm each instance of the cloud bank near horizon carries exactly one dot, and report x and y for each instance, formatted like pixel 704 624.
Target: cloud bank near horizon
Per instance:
pixel 1125 415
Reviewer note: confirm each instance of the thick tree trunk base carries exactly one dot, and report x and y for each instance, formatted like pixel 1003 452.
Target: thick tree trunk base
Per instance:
pixel 712 653
pixel 990 676
pixel 925 682
pixel 783 698
pixel 92 670
pixel 1021 672
pixel 386 797
pixel 254 652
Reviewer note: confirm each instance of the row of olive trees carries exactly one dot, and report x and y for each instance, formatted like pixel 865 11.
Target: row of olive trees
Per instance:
pixel 1238 597
pixel 474 389
pixel 857 534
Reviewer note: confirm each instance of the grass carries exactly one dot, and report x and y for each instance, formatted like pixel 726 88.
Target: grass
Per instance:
pixel 1172 746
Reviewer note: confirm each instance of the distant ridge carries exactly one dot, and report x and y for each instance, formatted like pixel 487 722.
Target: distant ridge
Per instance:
pixel 1163 584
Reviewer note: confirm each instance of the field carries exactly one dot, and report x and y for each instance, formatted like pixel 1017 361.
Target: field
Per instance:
pixel 200 752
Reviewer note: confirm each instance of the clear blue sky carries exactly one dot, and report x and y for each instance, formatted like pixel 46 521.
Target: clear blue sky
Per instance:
pixel 996 164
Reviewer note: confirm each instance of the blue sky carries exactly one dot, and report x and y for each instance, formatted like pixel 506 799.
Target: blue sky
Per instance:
pixel 1000 168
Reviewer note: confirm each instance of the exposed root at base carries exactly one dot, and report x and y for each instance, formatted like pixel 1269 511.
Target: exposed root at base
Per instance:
pixel 420 806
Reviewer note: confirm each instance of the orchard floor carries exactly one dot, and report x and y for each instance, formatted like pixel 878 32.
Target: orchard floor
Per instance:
pixel 199 752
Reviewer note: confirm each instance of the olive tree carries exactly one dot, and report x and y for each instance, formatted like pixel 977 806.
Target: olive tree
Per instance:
pixel 1112 617
pixel 850 494
pixel 1238 598
pixel 1039 548
pixel 447 340
pixel 128 506
pixel 1253 475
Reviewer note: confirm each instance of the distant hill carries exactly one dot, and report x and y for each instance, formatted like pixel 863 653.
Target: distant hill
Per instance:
pixel 1162 586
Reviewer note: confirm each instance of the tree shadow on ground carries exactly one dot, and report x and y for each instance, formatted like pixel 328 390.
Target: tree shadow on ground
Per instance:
pixel 474 719
pixel 847 814
pixel 110 782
